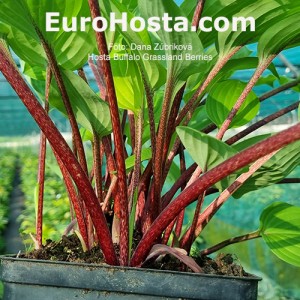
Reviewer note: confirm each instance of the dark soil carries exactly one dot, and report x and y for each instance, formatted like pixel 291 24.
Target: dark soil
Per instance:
pixel 69 249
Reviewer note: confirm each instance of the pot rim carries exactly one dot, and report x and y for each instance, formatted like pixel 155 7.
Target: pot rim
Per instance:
pixel 12 258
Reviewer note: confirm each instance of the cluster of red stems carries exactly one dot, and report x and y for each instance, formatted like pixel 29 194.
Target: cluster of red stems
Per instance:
pixel 156 216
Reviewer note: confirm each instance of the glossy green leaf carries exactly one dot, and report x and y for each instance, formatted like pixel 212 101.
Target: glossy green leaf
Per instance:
pixel 264 14
pixel 284 33
pixel 145 155
pixel 200 119
pixel 71 49
pixel 128 83
pixel 280 229
pixel 223 97
pixel 205 150
pixel 178 70
pixel 137 43
pixel 90 111
pixel 274 170
pixel 250 142
pixel 232 66
pixel 86 135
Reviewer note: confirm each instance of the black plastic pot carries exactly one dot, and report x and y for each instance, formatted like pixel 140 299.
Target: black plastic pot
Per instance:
pixel 34 280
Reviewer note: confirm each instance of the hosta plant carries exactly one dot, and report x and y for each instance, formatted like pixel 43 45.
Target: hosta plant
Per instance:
pixel 148 118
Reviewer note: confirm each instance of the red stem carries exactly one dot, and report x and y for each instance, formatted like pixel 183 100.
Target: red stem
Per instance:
pixel 66 100
pixel 213 73
pixel 76 202
pixel 261 123
pixel 261 68
pixel 198 12
pixel 97 166
pixel 235 163
pixel 238 239
pixel 11 73
pixel 41 171
pixel 118 137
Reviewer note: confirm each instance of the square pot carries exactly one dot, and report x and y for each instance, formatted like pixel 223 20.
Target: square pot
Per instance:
pixel 37 279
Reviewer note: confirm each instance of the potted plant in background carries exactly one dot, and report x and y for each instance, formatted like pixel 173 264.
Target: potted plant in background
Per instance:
pixel 157 104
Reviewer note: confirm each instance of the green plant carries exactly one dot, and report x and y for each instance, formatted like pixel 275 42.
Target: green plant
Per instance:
pixel 56 210
pixel 7 173
pixel 150 114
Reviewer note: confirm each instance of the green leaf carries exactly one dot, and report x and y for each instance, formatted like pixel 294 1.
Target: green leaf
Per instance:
pixel 86 135
pixel 71 49
pixel 250 142
pixel 200 119
pixel 90 111
pixel 34 72
pixel 178 70
pixel 280 229
pixel 232 66
pixel 284 33
pixel 145 155
pixel 128 83
pixel 261 11
pixel 205 150
pixel 223 97
pixel 274 170
pixel 153 70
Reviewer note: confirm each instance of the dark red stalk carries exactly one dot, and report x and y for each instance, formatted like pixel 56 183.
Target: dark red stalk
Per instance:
pixel 66 100
pixel 155 205
pixel 181 182
pixel 257 74
pixel 279 89
pixel 138 156
pixel 131 120
pixel 168 232
pixel 76 201
pixel 198 12
pixel 170 131
pixel 216 69
pixel 81 73
pixel 41 169
pixel 118 137
pixel 238 239
pixel 191 233
pixel 208 179
pixel 99 80
pixel 149 98
pixel 97 166
pixel 58 143
pixel 179 224
pixel 289 180
pixel 261 123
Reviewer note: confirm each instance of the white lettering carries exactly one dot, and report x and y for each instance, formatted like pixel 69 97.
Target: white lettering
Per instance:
pixel 153 24
pixel 135 20
pixel 103 24
pixel 243 21
pixel 221 20
pixel 202 25
pixel 65 24
pixel 50 21
pixel 181 24
pixel 122 22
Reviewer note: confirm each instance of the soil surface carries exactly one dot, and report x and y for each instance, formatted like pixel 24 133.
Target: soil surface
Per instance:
pixel 69 249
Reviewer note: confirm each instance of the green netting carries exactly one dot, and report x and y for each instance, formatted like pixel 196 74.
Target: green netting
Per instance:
pixel 14 118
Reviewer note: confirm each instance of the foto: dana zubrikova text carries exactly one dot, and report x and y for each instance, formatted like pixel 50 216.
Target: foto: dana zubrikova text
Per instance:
pixel 153 57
